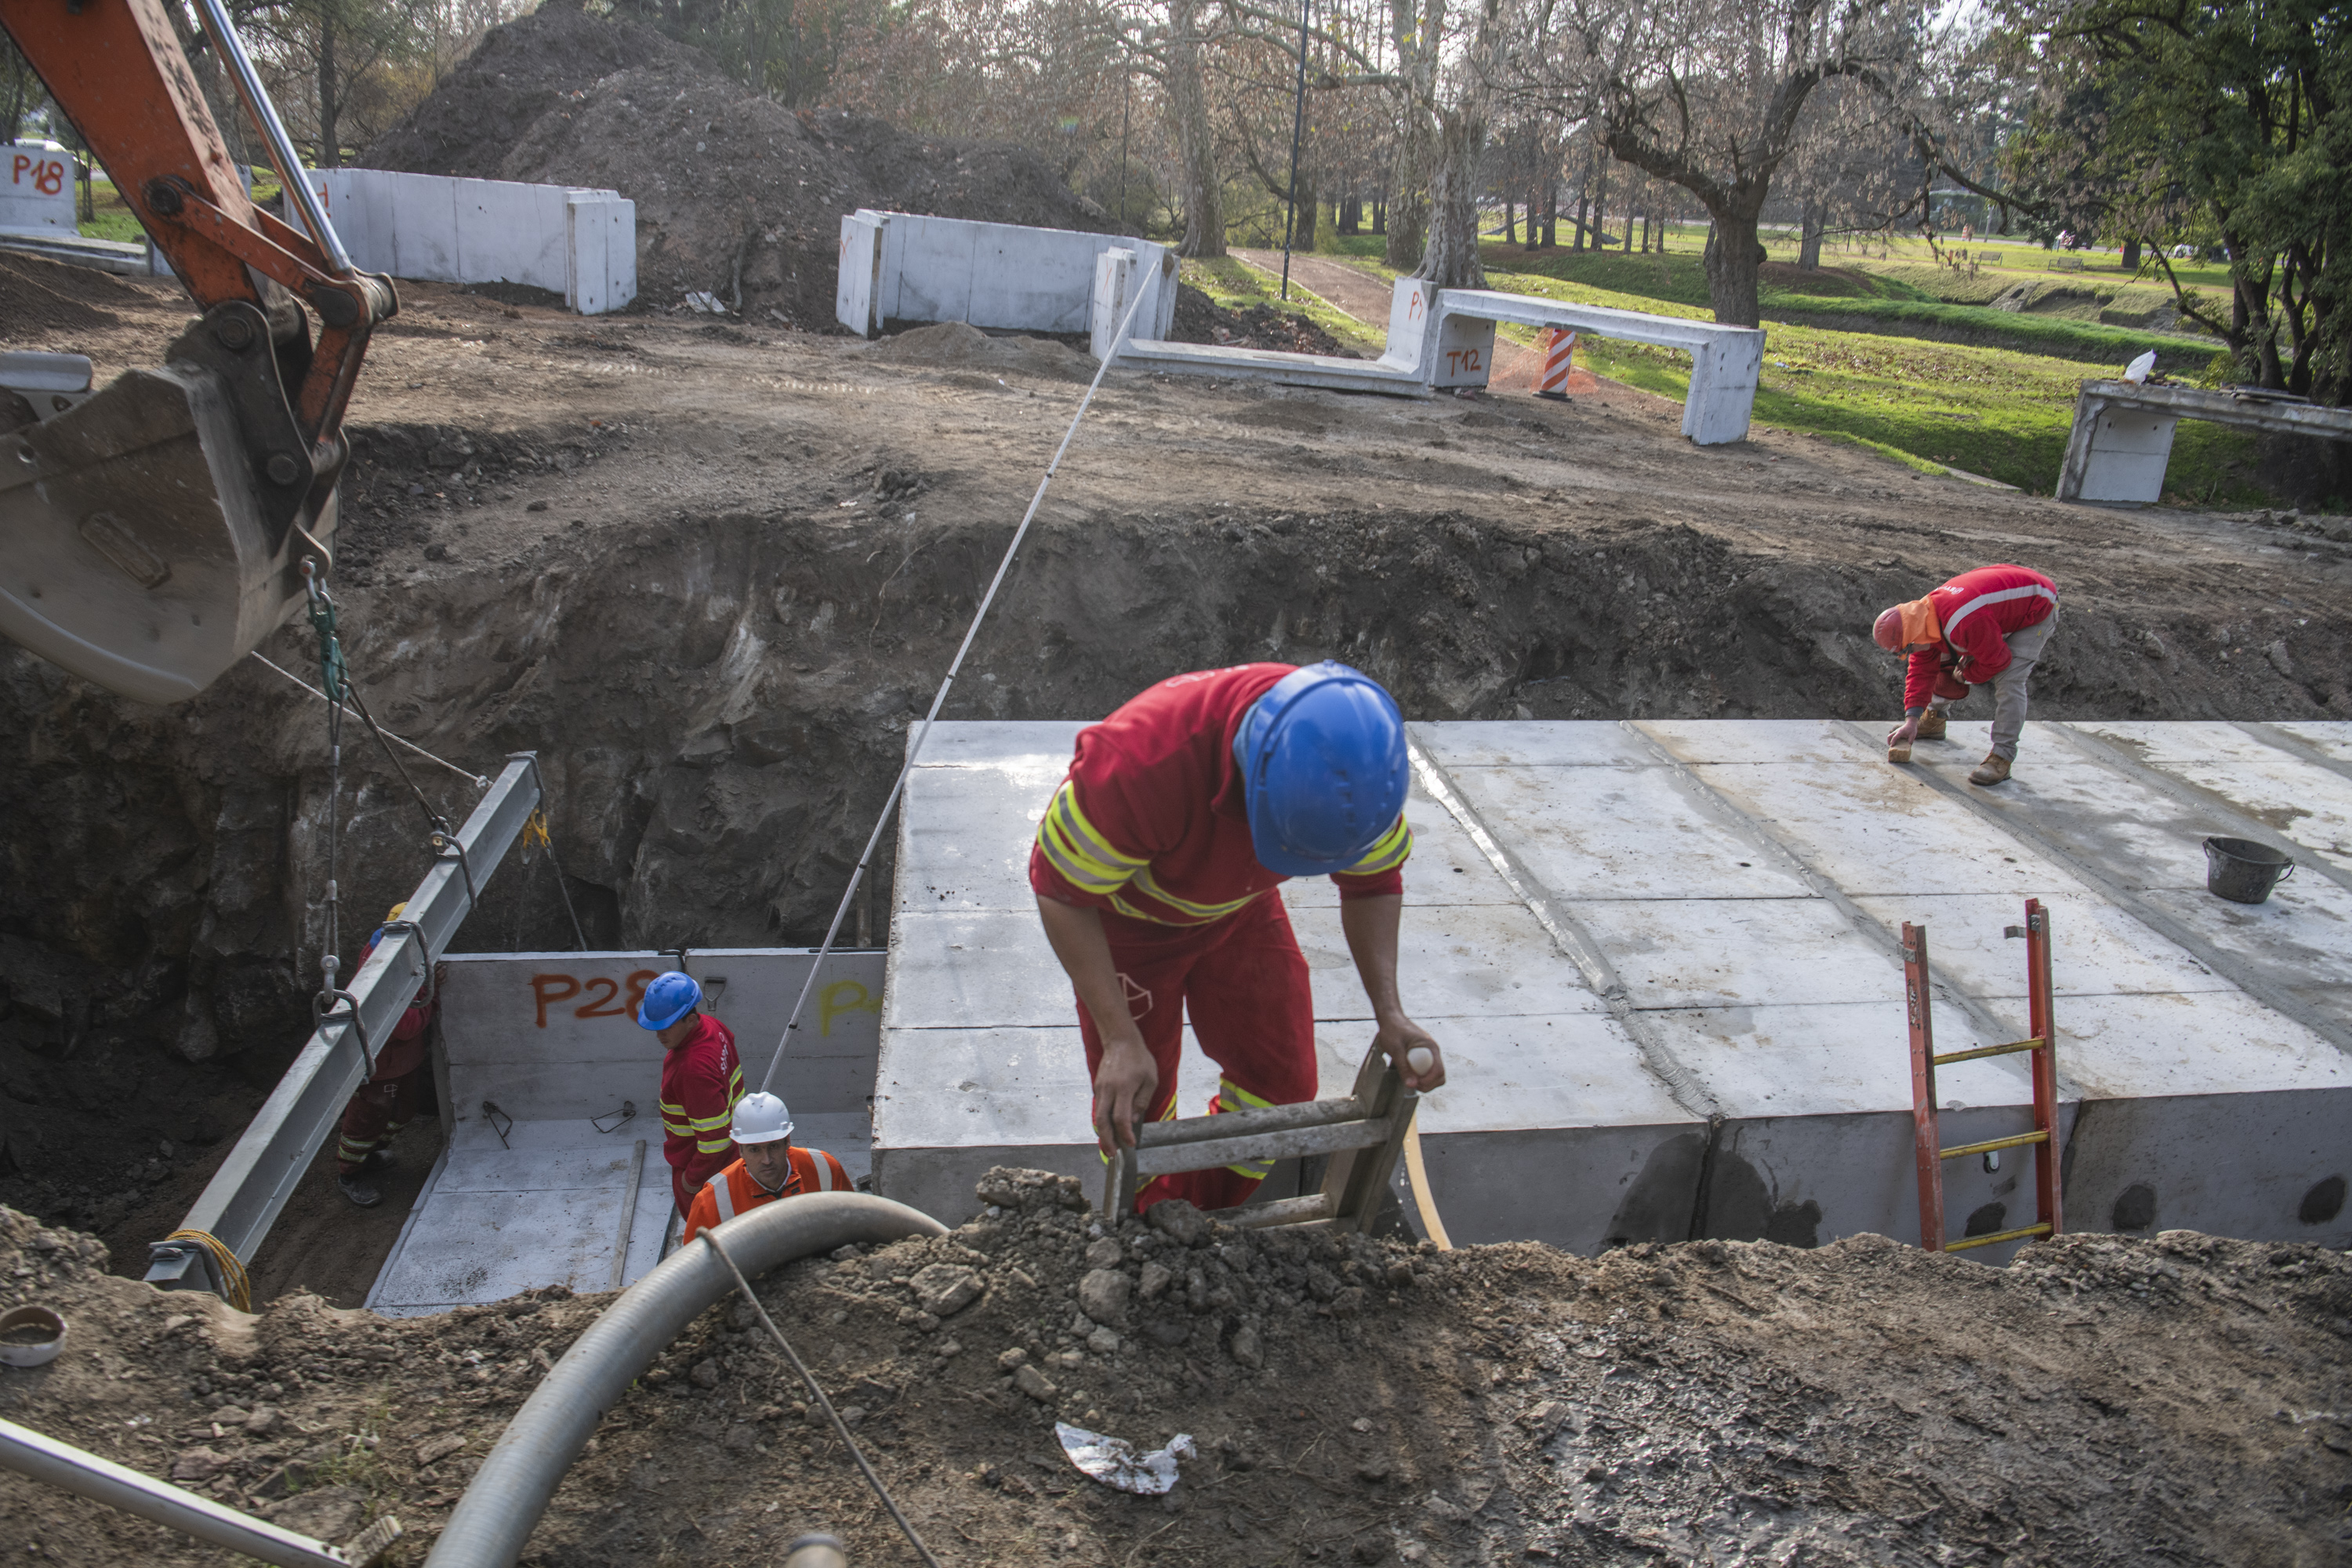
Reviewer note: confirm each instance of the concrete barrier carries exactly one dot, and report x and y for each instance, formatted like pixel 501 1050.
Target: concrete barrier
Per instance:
pixel 578 243
pixel 36 195
pixel 903 267
pixel 2122 438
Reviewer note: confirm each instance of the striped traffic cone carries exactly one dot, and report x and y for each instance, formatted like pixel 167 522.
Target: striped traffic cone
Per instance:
pixel 1559 347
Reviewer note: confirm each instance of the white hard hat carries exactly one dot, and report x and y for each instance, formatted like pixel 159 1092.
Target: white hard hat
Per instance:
pixel 761 1118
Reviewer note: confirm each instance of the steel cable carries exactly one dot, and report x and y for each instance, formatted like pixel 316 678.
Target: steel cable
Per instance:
pixel 816 1391
pixel 938 699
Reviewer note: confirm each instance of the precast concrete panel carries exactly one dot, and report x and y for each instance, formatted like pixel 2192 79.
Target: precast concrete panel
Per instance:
pixel 933 262
pixel 424 226
pixel 2332 737
pixel 1735 889
pixel 2310 807
pixel 2271 1166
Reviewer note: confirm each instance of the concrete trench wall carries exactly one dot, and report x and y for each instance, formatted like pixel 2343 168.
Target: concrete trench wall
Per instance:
pixel 901 266
pixel 580 243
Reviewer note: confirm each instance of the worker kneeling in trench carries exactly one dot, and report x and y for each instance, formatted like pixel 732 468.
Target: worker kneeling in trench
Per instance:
pixel 773 1166
pixel 1156 871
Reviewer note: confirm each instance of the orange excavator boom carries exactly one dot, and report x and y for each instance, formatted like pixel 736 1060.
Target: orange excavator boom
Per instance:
pixel 157 531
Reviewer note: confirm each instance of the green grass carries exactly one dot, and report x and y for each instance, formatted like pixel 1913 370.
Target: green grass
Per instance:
pixel 1235 285
pixel 1998 411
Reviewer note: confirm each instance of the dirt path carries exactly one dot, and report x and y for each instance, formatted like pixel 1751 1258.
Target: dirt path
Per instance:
pixel 1365 296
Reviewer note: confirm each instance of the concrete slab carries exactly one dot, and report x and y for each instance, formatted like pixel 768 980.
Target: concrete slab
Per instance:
pixel 1734 981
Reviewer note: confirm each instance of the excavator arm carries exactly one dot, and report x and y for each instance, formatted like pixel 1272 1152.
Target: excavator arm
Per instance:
pixel 157 531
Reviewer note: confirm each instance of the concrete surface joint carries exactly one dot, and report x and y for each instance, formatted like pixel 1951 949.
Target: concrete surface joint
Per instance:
pixel 1769 842
pixel 71 1469
pixel 2239 973
pixel 2226 815
pixel 502 1505
pixel 2270 735
pixel 247 1194
pixel 1682 1084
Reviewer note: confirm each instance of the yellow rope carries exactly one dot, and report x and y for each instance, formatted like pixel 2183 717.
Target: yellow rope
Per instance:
pixel 237 1284
pixel 1423 1198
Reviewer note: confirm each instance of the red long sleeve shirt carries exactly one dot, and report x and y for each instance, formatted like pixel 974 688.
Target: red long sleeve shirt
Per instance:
pixel 1976 611
pixel 700 1082
pixel 1150 821
pixel 404 1052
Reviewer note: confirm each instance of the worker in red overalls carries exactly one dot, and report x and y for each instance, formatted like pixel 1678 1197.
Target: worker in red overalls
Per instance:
pixel 773 1167
pixel 1985 626
pixel 701 1080
pixel 383 1105
pixel 1156 869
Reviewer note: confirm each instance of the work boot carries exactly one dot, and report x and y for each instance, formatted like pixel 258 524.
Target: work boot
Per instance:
pixel 1931 724
pixel 362 1192
pixel 1993 770
pixel 377 1160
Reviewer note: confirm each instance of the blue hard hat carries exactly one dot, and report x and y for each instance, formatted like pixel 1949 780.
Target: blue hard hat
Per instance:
pixel 1323 767
pixel 669 998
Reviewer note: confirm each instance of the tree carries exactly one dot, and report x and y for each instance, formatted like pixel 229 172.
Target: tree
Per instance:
pixel 2228 121
pixel 328 52
pixel 1712 95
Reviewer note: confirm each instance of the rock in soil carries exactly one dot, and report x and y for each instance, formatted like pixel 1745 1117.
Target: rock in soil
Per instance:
pixel 2104 1400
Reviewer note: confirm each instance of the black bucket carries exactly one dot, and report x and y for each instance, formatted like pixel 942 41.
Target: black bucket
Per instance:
pixel 2243 871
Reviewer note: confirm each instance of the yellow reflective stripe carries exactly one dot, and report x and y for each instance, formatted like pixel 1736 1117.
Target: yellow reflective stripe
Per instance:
pixel 1145 884
pixel 706 1146
pixel 1232 1096
pixel 705 1123
pixel 1085 858
pixel 669 1108
pixel 1386 855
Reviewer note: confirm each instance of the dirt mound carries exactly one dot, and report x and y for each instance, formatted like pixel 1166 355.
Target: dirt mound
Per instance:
pixel 2102 1401
pixel 957 343
pixel 736 194
pixel 39 297
pixel 1824 282
pixel 1201 320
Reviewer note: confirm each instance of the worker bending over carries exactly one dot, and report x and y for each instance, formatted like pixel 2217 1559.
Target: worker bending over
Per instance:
pixel 773 1167
pixel 1156 869
pixel 382 1105
pixel 1985 626
pixel 700 1082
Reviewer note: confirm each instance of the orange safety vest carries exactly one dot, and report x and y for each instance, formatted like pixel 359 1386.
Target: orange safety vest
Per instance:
pixel 732 1191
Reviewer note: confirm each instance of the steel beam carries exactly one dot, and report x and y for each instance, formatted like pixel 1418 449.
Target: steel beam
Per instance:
pixel 251 1187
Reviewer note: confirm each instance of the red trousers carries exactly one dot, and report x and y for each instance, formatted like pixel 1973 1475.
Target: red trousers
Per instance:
pixel 377 1112
pixel 1243 982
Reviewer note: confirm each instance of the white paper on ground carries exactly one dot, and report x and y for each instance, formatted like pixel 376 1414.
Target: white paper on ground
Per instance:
pixel 1114 1461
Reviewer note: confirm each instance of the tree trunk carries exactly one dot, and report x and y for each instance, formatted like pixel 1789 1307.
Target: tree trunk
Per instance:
pixel 1305 202
pixel 1816 219
pixel 2131 254
pixel 1452 259
pixel 1351 213
pixel 1196 144
pixel 1600 211
pixel 1551 213
pixel 1408 211
pixel 1380 216
pixel 1511 224
pixel 331 106
pixel 1732 255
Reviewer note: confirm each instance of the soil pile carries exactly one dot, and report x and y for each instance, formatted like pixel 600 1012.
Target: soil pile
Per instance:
pixel 1201 320
pixel 39 298
pixel 961 345
pixel 2102 1401
pixel 736 194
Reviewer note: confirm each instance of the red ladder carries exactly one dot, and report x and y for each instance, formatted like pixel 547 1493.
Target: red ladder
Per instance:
pixel 1928 1140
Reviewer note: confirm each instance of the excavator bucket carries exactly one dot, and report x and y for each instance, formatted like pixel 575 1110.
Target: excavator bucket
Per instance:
pixel 141 546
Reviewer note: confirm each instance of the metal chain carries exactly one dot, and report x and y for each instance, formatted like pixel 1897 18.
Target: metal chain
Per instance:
pixel 537 828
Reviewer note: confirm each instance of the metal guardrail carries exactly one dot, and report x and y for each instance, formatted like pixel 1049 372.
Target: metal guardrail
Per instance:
pixel 248 1192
